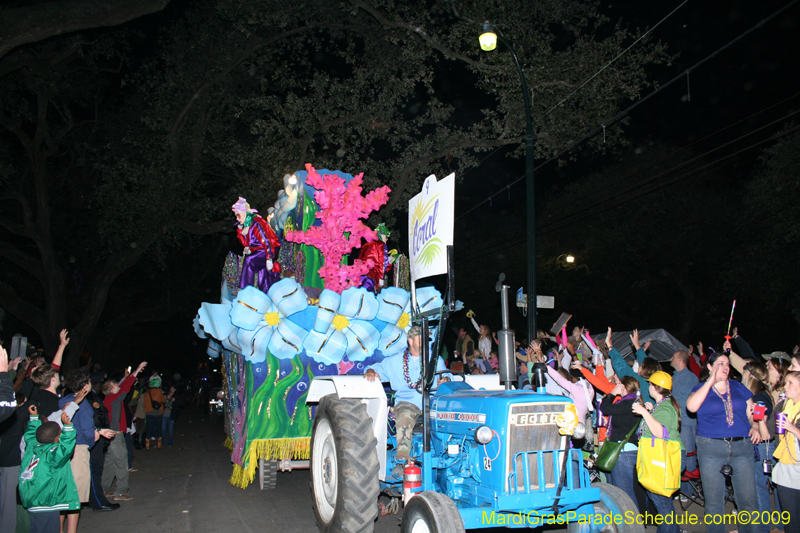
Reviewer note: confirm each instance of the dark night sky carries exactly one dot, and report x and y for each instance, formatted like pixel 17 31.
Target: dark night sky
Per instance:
pixel 757 72
pixel 751 75
pixel 754 73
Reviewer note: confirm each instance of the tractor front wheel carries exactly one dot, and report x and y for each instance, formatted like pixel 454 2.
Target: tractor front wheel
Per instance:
pixel 613 502
pixel 431 512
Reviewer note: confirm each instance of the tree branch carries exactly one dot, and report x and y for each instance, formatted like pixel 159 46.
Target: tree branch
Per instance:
pixel 14 229
pixel 25 59
pixel 14 125
pixel 255 43
pixel 29 24
pixel 114 266
pixel 309 137
pixel 402 178
pixel 416 30
pixel 22 309
pixel 24 261
pixel 27 214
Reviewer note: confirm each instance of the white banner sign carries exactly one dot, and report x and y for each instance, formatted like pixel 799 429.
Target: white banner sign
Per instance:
pixel 430 227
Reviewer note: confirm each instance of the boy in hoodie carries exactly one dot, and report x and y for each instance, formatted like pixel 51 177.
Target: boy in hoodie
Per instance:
pixel 46 486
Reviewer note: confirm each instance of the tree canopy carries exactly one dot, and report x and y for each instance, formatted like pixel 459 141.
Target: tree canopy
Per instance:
pixel 130 144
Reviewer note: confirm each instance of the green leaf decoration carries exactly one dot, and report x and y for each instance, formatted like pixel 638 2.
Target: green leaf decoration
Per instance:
pixel 430 251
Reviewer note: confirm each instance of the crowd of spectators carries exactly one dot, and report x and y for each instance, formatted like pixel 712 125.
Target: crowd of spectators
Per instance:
pixel 67 442
pixel 719 405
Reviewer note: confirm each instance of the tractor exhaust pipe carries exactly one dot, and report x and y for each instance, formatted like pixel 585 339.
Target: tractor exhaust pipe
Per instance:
pixel 505 339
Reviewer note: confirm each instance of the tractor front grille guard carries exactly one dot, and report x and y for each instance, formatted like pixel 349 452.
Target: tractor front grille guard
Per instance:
pixel 546 469
pixel 532 427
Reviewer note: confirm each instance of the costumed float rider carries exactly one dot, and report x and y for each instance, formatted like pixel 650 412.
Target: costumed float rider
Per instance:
pixel 259 267
pixel 378 252
pixel 403 372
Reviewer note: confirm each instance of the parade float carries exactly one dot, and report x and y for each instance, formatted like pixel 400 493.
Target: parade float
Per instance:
pixel 295 306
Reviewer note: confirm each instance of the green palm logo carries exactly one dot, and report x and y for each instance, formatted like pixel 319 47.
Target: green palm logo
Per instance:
pixel 430 251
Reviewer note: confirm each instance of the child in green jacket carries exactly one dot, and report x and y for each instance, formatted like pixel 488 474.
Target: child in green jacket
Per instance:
pixel 46 485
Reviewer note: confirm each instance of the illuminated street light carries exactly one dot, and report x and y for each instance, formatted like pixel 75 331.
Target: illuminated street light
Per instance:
pixel 488 40
pixel 564 259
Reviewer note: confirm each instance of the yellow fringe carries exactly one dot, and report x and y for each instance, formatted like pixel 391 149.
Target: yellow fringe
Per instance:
pixel 272 450
pixel 238 477
pixel 228 443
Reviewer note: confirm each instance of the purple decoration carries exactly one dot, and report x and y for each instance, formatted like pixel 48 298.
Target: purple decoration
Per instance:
pixel 255 264
pixel 368 283
pixel 240 417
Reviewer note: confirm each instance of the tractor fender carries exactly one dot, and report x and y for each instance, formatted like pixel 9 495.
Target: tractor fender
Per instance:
pixel 370 393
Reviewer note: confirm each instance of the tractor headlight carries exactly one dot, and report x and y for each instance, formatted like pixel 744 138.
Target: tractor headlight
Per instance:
pixel 580 431
pixel 483 435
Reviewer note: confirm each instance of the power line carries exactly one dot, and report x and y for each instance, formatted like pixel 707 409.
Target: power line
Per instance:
pixel 666 157
pixel 624 112
pixel 570 95
pixel 686 147
pixel 678 166
pixel 636 104
pixel 582 85
pixel 659 186
pixel 498 246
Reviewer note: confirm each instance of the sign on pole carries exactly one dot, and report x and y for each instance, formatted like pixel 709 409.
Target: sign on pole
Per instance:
pixel 430 227
pixel 19 347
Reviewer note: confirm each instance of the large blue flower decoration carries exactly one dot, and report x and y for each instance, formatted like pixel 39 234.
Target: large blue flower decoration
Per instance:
pixel 343 326
pixel 353 326
pixel 275 321
pixel 395 310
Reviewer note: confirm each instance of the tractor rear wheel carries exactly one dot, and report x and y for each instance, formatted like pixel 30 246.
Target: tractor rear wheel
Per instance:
pixel 344 466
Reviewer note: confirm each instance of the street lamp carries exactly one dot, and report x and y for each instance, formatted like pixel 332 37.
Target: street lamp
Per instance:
pixel 488 40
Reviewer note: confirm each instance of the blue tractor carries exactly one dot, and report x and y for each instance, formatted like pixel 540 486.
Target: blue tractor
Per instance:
pixel 488 456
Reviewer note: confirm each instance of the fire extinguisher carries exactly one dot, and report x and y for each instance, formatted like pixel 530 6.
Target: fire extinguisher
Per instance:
pixel 412 481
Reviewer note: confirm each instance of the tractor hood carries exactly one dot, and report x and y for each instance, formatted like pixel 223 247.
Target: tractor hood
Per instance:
pixel 457 408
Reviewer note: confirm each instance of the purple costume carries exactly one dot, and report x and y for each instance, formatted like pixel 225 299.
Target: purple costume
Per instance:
pixel 263 244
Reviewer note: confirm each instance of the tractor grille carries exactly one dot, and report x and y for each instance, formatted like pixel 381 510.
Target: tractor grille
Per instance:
pixel 532 427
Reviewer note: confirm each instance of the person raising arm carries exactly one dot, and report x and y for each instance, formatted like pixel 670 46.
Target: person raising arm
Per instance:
pixel 724 418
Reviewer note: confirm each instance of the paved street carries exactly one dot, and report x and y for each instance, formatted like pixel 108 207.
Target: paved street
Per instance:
pixel 185 488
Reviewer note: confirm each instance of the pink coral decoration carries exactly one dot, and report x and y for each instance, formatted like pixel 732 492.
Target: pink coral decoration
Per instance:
pixel 342 208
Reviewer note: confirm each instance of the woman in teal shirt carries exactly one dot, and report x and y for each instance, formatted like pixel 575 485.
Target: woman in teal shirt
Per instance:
pixel 647 365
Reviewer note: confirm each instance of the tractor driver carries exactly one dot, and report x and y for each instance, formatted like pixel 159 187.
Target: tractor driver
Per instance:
pixel 403 372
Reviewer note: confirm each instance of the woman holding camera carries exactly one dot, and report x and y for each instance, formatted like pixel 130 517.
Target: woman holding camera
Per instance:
pixel 724 408
pixel 755 377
